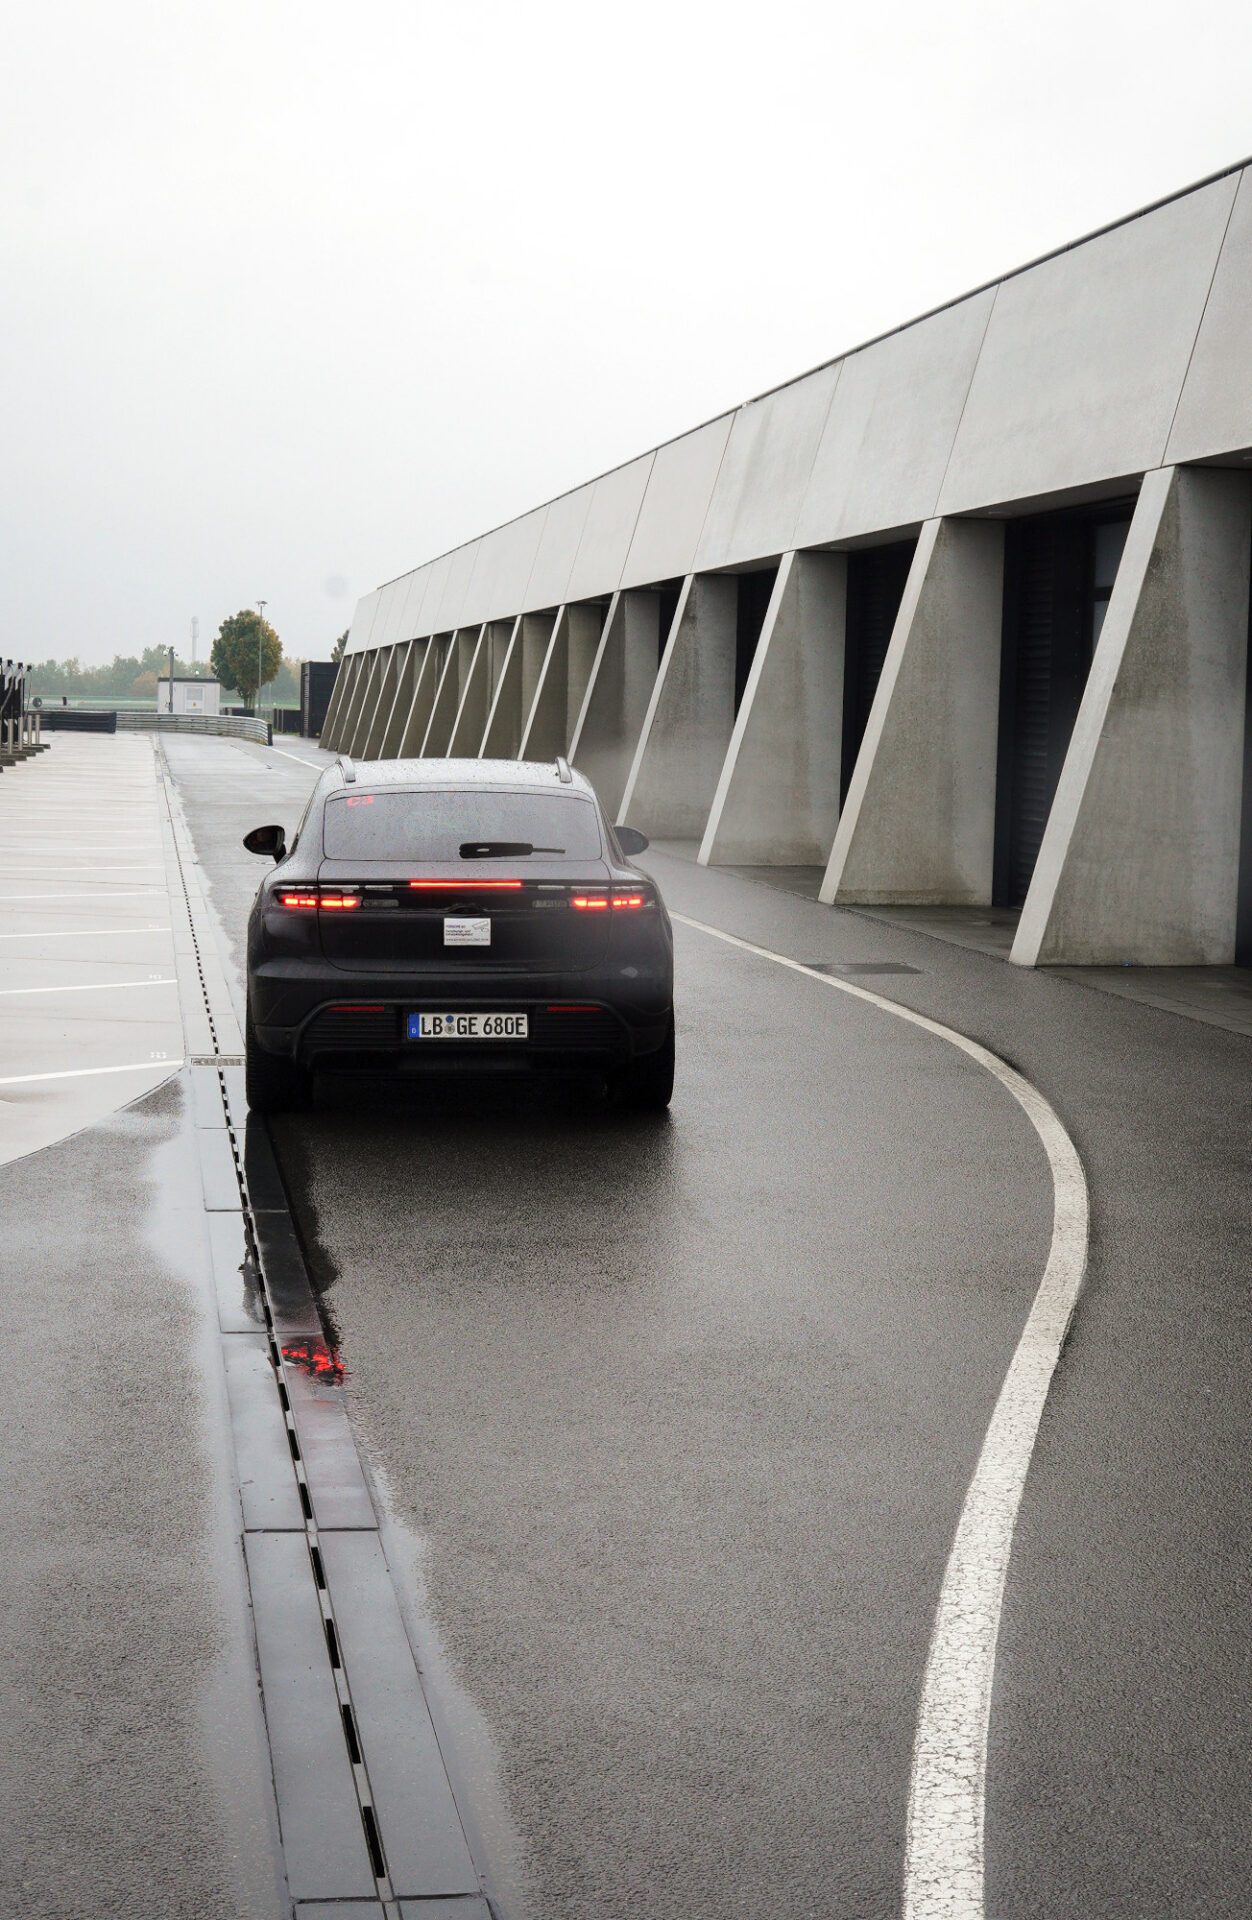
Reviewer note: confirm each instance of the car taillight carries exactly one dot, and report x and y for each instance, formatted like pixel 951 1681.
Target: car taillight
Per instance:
pixel 590 902
pixel 332 901
pixel 630 899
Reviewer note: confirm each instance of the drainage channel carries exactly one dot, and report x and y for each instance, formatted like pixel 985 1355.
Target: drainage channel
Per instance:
pixel 367 1818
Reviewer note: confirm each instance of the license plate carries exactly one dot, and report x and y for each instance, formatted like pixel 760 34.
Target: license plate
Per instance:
pixel 468 1026
pixel 466 933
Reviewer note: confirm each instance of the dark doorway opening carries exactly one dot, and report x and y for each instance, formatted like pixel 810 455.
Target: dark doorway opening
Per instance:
pixel 876 577
pixel 667 592
pixel 1243 919
pixel 754 591
pixel 1059 571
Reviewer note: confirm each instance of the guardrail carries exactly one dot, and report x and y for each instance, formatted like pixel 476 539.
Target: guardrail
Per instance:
pixel 238 726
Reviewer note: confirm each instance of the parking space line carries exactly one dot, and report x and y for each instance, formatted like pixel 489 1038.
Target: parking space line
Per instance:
pixel 80 933
pixel 166 1065
pixel 90 986
pixel 944 1876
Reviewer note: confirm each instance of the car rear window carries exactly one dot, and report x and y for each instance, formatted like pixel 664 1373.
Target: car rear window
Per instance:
pixel 439 825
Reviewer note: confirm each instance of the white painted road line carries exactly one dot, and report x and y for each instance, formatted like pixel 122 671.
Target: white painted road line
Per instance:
pixel 81 933
pixel 316 765
pixel 122 893
pixel 944 1877
pixel 167 1066
pixel 90 986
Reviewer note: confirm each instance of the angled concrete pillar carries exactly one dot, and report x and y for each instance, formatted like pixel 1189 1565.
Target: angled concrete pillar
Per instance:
pixel 506 666
pixel 447 699
pixel 376 721
pixel 471 713
pixel 361 703
pixel 1140 857
pixel 417 718
pixel 687 727
pixel 337 693
pixel 499 639
pixel 544 734
pixel 389 745
pixel 515 691
pixel 777 799
pixel 345 681
pixel 586 624
pixel 918 824
pixel 615 704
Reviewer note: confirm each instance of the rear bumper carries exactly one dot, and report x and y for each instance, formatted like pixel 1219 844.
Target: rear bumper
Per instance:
pixel 349 1021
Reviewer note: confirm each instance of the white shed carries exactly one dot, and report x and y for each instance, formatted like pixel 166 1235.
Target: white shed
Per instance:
pixel 191 694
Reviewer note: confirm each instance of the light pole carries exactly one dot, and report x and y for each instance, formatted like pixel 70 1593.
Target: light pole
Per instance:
pixel 260 605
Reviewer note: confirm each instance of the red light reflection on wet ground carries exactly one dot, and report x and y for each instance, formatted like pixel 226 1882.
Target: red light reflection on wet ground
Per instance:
pixel 315 1358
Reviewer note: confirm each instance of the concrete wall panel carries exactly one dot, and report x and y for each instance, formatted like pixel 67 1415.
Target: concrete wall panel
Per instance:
pixel 1085 355
pixel 891 425
pixel 671 518
pixel 1140 859
pixel 562 534
pixel 436 580
pixel 396 604
pixel 447 615
pixel 764 476
pixel 1215 412
pixel 502 568
pixel 364 616
pixel 615 502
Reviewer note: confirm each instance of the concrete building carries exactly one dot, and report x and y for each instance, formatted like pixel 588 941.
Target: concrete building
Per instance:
pixel 956 621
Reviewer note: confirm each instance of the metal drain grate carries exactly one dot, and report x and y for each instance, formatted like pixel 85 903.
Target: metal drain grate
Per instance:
pixel 858 966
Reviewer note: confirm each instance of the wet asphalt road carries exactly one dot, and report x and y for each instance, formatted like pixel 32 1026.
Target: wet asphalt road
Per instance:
pixel 674 1420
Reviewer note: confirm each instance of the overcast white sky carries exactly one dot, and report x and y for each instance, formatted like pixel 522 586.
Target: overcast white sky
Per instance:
pixel 296 295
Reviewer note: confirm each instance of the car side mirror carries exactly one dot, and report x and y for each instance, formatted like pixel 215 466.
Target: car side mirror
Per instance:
pixel 270 841
pixel 630 840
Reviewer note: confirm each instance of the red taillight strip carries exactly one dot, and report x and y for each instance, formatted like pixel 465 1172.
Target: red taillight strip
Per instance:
pixel 330 900
pixel 466 886
pixel 590 902
pixel 629 900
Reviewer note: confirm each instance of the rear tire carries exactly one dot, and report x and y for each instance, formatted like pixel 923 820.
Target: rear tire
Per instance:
pixel 647 1084
pixel 272 1083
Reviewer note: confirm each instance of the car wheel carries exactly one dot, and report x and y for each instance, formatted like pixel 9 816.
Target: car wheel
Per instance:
pixel 272 1083
pixel 647 1084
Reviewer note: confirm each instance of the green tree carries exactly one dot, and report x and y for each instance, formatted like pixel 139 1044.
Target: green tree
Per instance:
pixel 243 643
pixel 336 652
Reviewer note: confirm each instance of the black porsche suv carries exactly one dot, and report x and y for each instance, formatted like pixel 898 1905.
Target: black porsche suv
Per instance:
pixel 454 915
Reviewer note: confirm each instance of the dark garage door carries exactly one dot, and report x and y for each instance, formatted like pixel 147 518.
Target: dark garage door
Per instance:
pixel 876 577
pixel 1059 572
